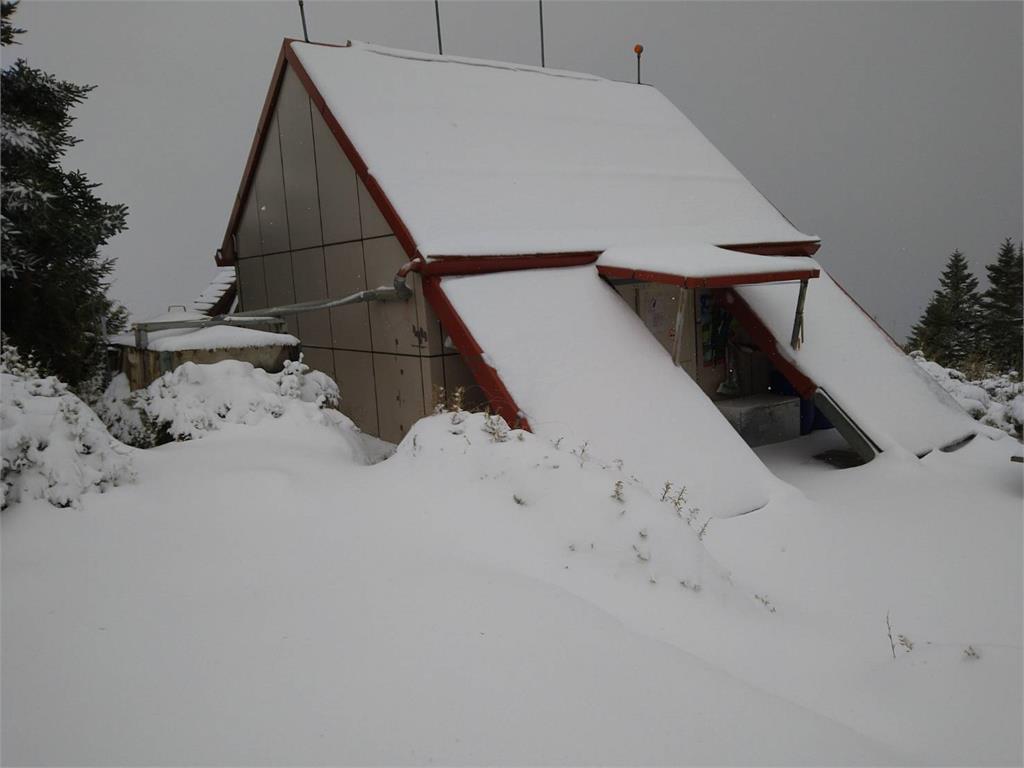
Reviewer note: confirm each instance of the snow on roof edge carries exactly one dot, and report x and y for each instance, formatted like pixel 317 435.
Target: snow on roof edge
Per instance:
pixel 511 66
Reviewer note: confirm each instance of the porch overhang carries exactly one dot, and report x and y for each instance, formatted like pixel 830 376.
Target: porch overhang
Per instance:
pixel 699 265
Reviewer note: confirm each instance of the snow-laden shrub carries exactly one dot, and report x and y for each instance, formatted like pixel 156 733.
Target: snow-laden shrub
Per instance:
pixel 195 399
pixel 997 401
pixel 119 409
pixel 54 446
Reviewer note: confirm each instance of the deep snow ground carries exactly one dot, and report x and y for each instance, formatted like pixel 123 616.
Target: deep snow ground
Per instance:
pixel 259 597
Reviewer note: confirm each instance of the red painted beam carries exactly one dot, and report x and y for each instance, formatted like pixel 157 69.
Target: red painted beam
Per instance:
pixel 500 398
pixel 794 248
pixel 718 281
pixel 472 265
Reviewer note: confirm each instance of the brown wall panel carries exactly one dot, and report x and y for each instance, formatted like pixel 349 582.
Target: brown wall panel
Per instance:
pixel 426 320
pixel 269 185
pixel 247 236
pixel 350 326
pixel 354 374
pixel 299 160
pixel 433 380
pixel 373 222
pixel 311 285
pixel 319 359
pixel 399 382
pixel 252 284
pixel 339 201
pixel 278 271
pixel 394 326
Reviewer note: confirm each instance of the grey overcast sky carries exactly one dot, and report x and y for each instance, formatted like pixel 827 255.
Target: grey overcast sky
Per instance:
pixel 892 130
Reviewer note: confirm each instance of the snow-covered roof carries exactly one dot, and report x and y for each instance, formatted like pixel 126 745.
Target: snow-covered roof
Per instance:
pixel 696 264
pixel 485 158
pixel 223 281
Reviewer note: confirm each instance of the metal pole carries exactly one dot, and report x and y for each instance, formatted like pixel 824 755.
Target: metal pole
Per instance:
pixel 638 50
pixel 540 7
pixel 302 13
pixel 798 319
pixel 437 17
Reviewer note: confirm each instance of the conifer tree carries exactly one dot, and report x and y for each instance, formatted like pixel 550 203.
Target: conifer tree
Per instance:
pixel 1002 310
pixel 53 278
pixel 948 330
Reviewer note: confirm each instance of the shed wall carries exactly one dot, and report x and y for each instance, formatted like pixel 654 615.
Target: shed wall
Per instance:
pixel 309 230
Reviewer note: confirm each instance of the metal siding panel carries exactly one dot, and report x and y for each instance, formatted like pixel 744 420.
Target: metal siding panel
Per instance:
pixel 270 194
pixel 372 220
pixel 319 359
pixel 299 161
pixel 247 235
pixel 393 324
pixel 278 271
pixel 426 320
pixel 399 381
pixel 350 326
pixel 252 284
pixel 311 285
pixel 336 178
pixel 354 373
pixel 432 369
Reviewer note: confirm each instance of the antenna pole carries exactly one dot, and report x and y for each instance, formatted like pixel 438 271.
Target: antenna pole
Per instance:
pixel 437 17
pixel 302 13
pixel 638 50
pixel 540 7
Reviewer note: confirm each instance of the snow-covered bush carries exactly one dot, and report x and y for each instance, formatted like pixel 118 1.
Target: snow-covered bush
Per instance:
pixel 997 401
pixel 195 399
pixel 118 407
pixel 54 446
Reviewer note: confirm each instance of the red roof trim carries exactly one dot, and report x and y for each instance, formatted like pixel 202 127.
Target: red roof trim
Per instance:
pixel 497 393
pixel 718 281
pixel 472 265
pixel 794 248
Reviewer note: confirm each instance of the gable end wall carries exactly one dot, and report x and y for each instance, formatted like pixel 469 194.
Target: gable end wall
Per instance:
pixel 308 228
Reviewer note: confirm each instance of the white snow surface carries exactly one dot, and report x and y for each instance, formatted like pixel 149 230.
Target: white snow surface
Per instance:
pixel 221 336
pixel 702 260
pixel 872 379
pixel 582 367
pixel 531 160
pixel 258 598
pixel 996 400
pixel 218 337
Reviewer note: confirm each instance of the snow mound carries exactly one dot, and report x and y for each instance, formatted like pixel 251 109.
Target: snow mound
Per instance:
pixel 997 401
pixel 194 400
pixel 586 510
pixel 54 446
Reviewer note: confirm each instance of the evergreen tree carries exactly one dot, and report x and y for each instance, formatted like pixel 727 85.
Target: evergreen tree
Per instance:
pixel 1002 310
pixel 54 281
pixel 948 330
